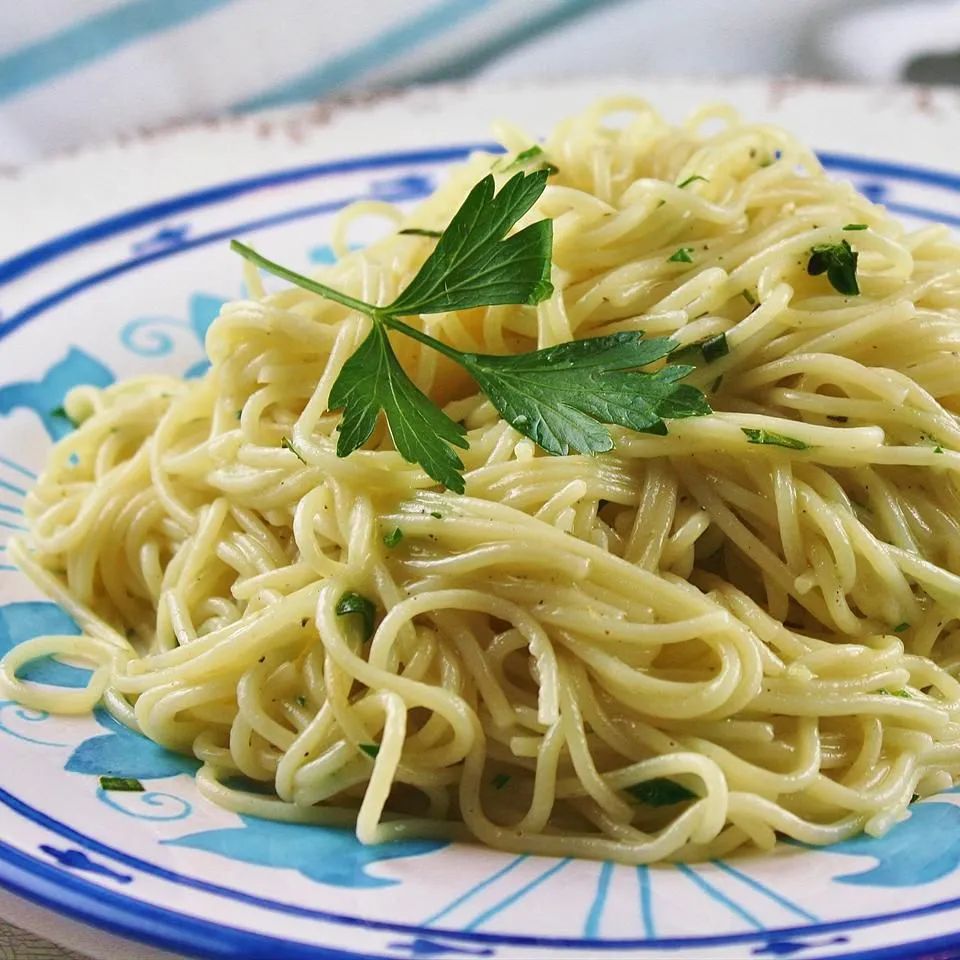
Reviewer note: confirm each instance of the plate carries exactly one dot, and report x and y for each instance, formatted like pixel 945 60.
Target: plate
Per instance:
pixel 113 264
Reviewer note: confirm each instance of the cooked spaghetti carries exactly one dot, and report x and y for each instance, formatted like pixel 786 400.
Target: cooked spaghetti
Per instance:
pixel 747 627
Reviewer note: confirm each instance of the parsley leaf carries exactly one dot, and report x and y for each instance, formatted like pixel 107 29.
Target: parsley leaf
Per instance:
pixel 500 781
pixel 855 226
pixel 370 749
pixel 419 232
pixel 693 179
pixel 900 627
pixel 660 792
pixel 839 262
pixel 473 265
pixel 774 439
pixel 373 380
pixel 562 396
pixel 681 256
pixel 352 602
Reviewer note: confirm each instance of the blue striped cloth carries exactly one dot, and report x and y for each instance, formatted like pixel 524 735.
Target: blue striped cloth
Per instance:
pixel 74 71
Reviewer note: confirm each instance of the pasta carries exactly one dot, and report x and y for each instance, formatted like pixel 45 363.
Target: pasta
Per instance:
pixel 758 613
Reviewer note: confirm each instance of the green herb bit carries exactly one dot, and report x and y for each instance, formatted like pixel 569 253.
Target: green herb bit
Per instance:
pixel 560 397
pixel 715 347
pixel 304 621
pixel 419 232
pixel 524 157
pixel 715 386
pixel 436 514
pixel 352 602
pixel 897 693
pixel 60 413
pixel 856 226
pixel 774 439
pixel 749 297
pixel 121 784
pixel 288 444
pixel 837 419
pixel 393 538
pixel 900 627
pixel 839 262
pixel 693 179
pixel 500 781
pixel 938 449
pixel 370 749
pixel 660 792
pixel 709 349
pixel 301 700
pixel 681 256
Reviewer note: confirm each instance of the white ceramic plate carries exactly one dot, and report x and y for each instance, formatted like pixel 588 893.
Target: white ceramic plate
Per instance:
pixel 113 264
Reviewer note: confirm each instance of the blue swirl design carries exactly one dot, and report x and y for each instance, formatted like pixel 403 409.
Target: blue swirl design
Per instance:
pixel 325 855
pixel 160 806
pixel 29 716
pixel 150 336
pixel 156 342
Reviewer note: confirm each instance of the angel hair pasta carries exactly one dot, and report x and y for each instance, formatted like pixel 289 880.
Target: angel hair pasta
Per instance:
pixel 746 627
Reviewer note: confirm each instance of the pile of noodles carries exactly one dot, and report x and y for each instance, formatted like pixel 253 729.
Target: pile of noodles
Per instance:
pixel 775 631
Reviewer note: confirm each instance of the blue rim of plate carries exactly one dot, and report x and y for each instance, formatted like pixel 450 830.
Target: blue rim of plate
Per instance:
pixel 75 897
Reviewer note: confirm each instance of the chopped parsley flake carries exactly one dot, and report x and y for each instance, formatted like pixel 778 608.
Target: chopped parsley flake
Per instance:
pixel 393 538
pixel 121 784
pixel 660 792
pixel 774 439
pixel 715 347
pixel 355 603
pixel 839 262
pixel 419 232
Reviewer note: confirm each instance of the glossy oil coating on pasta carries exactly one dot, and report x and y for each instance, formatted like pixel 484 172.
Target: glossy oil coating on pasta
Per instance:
pixel 774 628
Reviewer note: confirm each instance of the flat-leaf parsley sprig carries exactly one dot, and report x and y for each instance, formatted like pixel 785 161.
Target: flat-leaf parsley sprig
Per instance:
pixel 560 397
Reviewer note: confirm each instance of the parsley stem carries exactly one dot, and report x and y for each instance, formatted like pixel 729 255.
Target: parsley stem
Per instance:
pixel 301 281
pixel 392 323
